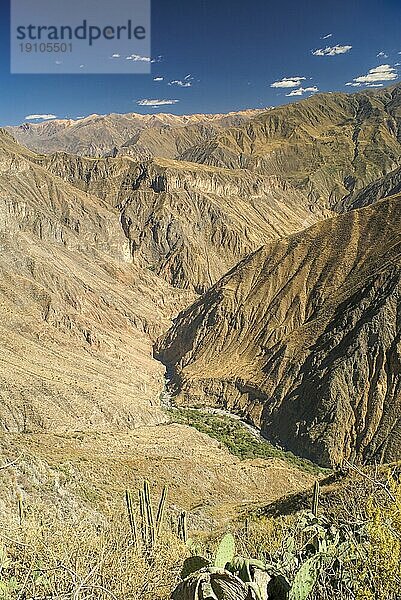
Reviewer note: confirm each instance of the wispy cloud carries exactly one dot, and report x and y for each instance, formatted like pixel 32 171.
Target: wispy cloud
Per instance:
pixel 326 37
pixel 288 82
pixel 382 55
pixel 331 50
pixel 116 56
pixel 301 91
pixel 156 102
pixel 186 82
pixel 158 78
pixel 40 117
pixel 138 57
pixel 378 74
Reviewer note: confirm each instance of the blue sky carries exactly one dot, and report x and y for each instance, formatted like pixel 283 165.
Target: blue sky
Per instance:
pixel 225 55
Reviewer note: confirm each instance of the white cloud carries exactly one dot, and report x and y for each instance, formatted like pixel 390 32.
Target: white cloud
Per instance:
pixel 116 56
pixel 300 91
pixel 180 83
pixel 40 117
pixel 157 102
pixel 325 37
pixel 158 78
pixel 374 84
pixel 186 82
pixel 288 82
pixel 381 73
pixel 331 50
pixel 382 55
pixel 353 84
pixel 138 57
pixel 157 59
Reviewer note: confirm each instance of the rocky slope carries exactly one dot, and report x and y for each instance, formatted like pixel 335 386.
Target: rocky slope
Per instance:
pixel 189 223
pixel 138 135
pixel 303 337
pixel 329 145
pixel 77 319
pixel 389 185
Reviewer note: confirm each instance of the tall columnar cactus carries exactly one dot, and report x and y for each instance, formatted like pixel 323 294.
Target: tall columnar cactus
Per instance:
pixel 160 510
pixel 315 500
pixel 150 528
pixel 149 514
pixel 131 516
pixel 182 527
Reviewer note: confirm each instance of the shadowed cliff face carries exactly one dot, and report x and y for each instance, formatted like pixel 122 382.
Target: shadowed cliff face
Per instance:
pixel 77 319
pixel 189 223
pixel 386 186
pixel 303 337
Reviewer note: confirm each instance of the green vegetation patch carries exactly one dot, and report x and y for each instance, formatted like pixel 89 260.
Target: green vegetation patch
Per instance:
pixel 237 438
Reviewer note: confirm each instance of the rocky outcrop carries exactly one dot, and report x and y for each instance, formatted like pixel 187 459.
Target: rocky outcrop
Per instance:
pixel 304 338
pixel 386 186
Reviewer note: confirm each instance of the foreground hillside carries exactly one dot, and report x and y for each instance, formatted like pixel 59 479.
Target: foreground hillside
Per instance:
pixel 303 337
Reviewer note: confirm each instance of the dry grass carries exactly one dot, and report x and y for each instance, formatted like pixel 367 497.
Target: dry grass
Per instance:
pixel 79 558
pixel 82 555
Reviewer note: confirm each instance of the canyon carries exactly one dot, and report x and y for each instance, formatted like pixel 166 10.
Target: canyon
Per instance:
pixel 254 254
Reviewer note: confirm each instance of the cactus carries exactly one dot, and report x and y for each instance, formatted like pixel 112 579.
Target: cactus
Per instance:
pixel 149 514
pixel 315 500
pixel 305 579
pixel 225 552
pixel 150 528
pixel 182 527
pixel 131 516
pixel 144 521
pixel 160 510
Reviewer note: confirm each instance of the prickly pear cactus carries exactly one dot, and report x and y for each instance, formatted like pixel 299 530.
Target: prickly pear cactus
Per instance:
pixel 213 584
pixel 225 552
pixel 305 579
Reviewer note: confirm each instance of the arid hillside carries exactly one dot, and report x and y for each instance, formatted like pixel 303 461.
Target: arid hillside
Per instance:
pixel 189 223
pixel 77 317
pixel 329 145
pixel 297 326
